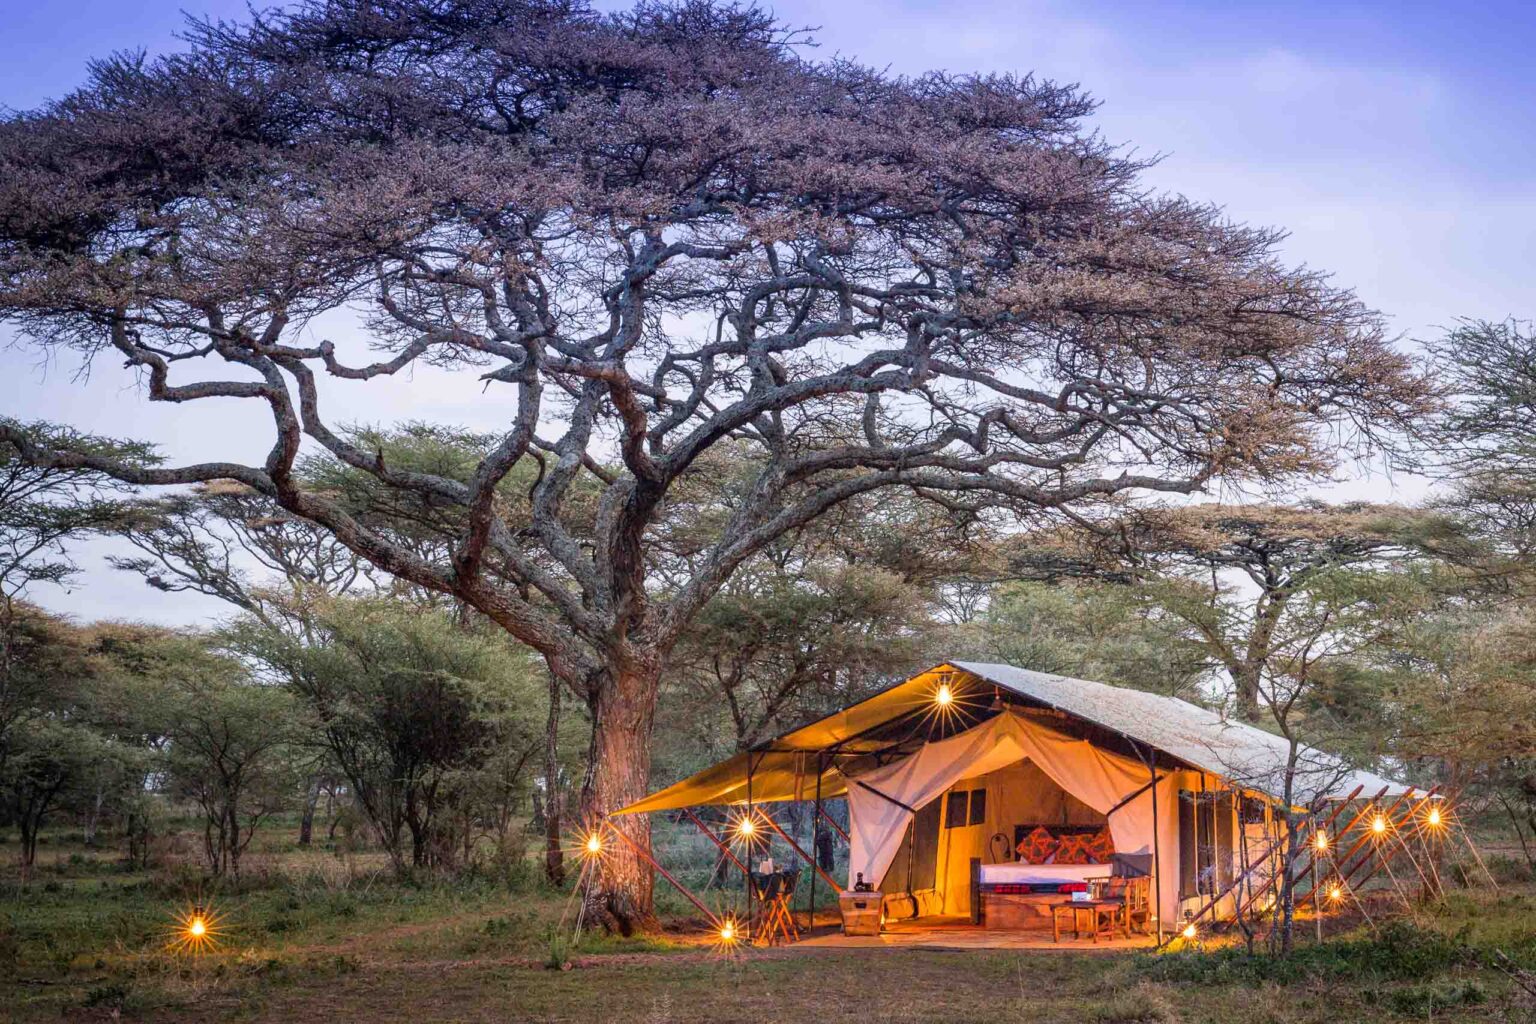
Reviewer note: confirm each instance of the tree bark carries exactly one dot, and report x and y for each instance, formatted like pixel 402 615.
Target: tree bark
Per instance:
pixel 554 856
pixel 1247 685
pixel 618 773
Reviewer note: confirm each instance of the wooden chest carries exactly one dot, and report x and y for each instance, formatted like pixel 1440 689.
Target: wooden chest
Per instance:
pixel 861 912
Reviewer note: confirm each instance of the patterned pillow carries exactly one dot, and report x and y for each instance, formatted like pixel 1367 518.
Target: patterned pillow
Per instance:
pixel 1100 847
pixel 1037 847
pixel 1073 850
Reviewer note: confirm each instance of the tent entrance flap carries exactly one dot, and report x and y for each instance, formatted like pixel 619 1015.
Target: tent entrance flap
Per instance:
pixel 1108 783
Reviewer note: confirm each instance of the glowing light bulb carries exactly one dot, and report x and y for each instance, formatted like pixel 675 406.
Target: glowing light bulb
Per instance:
pixel 197 928
pixel 746 828
pixel 945 695
pixel 1321 841
pixel 594 844
pixel 1335 893
pixel 727 931
pixel 1378 824
pixel 1434 817
pixel 1189 930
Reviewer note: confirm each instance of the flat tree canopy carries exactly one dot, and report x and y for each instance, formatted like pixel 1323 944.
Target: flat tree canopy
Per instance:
pixel 657 240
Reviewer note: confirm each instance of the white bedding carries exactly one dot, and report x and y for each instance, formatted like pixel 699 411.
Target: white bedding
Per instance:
pixel 1019 873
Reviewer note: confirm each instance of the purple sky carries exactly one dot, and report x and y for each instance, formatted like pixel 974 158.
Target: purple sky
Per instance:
pixel 1396 142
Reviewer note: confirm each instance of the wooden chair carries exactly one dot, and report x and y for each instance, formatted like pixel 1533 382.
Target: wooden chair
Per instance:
pixel 775 919
pixel 1137 911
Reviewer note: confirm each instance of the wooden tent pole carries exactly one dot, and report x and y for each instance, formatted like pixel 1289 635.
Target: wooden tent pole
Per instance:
pixel 815 844
pixel 1362 840
pixel 644 855
pixel 714 839
pixel 796 846
pixel 1269 882
pixel 833 822
pixel 751 767
pixel 1346 874
pixel 1157 860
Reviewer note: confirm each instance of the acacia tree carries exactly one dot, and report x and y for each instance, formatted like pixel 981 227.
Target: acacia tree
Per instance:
pixel 1281 597
pixel 644 234
pixel 1263 590
pixel 1102 631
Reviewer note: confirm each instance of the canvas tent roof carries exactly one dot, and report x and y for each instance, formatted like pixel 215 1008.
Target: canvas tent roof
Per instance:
pixel 785 768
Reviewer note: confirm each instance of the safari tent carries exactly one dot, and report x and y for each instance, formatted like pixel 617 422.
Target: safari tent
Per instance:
pixel 982 791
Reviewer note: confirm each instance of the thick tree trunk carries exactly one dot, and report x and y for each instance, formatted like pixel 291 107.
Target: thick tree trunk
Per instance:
pixel 618 773
pixel 554 856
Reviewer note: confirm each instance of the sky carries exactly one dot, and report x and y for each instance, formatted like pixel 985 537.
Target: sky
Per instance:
pixel 1396 142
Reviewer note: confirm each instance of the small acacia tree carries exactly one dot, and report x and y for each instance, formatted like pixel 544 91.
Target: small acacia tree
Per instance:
pixel 644 234
pixel 432 723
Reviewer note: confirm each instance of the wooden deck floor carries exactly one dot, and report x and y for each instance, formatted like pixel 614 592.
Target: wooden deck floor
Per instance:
pixel 959 933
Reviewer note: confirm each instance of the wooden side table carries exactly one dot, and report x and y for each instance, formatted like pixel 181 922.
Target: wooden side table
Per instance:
pixel 1101 915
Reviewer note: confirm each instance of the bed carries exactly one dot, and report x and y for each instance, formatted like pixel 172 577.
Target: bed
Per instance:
pixel 1019 873
pixel 1020 894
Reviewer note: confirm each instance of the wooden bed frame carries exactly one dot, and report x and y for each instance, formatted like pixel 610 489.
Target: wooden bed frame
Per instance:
pixel 1018 911
pixel 1034 911
pixel 1014 911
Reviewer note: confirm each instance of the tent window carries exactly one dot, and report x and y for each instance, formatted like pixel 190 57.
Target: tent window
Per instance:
pixel 965 807
pixel 957 810
pixel 1207 833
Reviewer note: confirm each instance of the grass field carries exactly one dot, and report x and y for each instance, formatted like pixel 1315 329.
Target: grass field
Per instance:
pixel 311 937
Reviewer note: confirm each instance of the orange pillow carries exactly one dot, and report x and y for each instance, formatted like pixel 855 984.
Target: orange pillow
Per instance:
pixel 1037 847
pixel 1073 850
pixel 1100 847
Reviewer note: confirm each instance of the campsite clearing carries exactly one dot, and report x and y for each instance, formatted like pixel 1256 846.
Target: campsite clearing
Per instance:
pixel 86 941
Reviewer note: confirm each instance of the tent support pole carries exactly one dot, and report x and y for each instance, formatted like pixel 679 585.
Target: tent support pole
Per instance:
pixel 1255 896
pixel 1157 846
pixel 644 855
pixel 1373 854
pixel 795 846
pixel 911 859
pixel 1347 871
pixel 751 767
pixel 815 843
pixel 833 822
pixel 714 839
